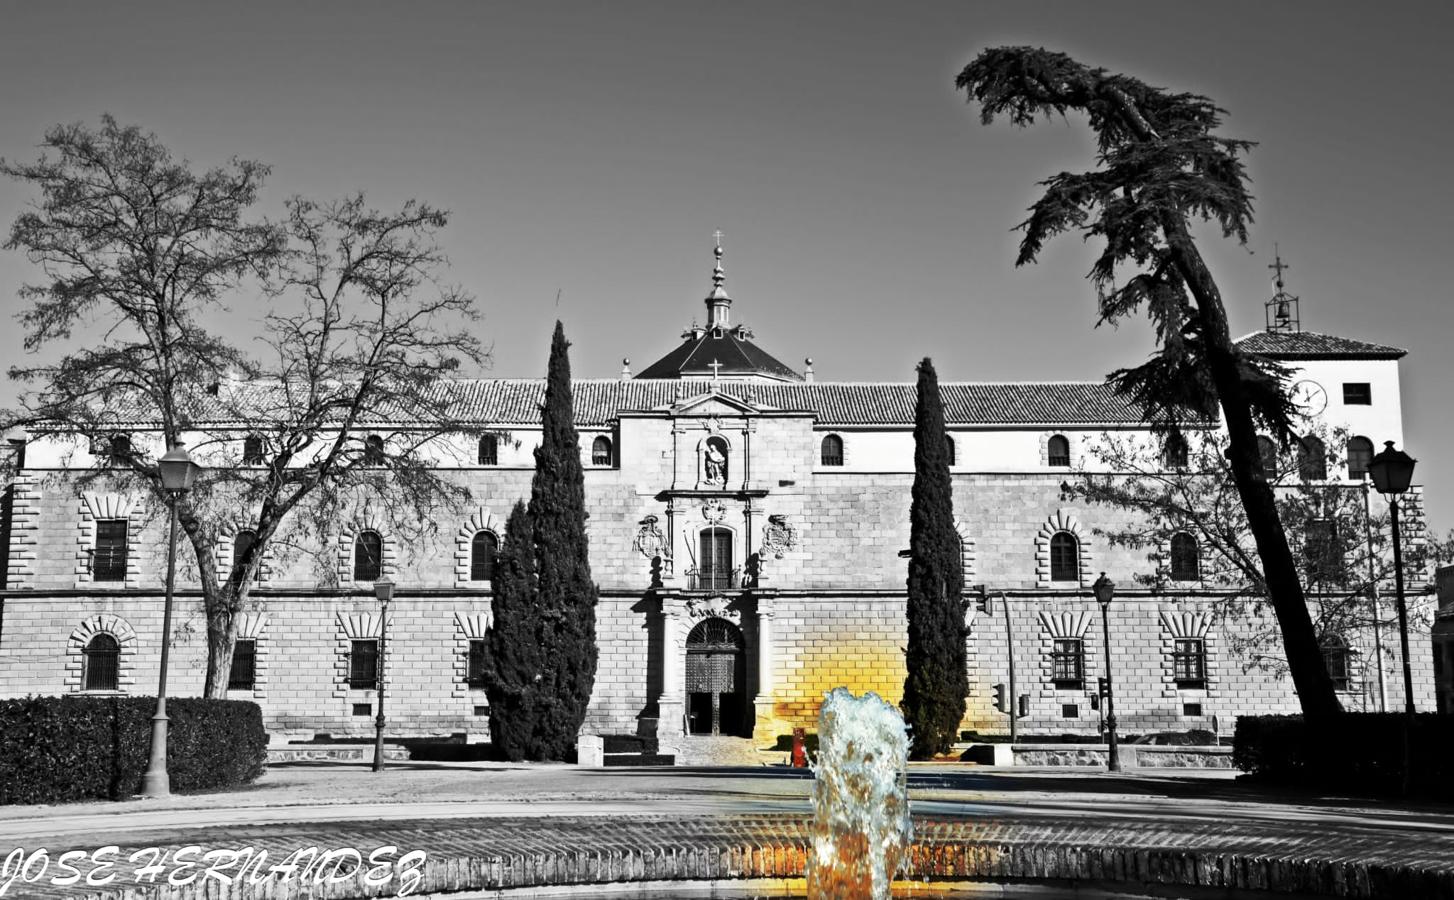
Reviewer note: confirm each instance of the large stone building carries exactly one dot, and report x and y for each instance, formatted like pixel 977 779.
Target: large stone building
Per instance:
pixel 746 528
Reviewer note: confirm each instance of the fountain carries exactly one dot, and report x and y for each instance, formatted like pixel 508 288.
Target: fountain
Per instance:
pixel 861 826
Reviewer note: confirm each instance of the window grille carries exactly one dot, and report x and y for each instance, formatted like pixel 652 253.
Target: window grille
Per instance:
pixel 1185 560
pixel 252 450
pixel 832 450
pixel 102 657
pixel 1189 662
pixel 241 544
pixel 374 450
pixel 1067 662
pixel 1360 454
pixel 1174 452
pixel 489 450
pixel 108 560
pixel 1267 452
pixel 1058 449
pixel 363 664
pixel 479 654
pixel 368 552
pixel 1336 661
pixel 483 550
pixel 1312 459
pixel 244 665
pixel 1064 557
pixel 601 451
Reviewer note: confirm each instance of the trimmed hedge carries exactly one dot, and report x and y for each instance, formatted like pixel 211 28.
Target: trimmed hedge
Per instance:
pixel 1359 753
pixel 58 749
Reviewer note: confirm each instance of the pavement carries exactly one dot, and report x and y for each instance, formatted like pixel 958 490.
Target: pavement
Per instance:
pixel 483 810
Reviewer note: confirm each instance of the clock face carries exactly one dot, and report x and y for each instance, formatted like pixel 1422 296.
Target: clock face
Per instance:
pixel 1309 397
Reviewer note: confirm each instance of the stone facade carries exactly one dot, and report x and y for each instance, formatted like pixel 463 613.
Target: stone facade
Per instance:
pixel 717 504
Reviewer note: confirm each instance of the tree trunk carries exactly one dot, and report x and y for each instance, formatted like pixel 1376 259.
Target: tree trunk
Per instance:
pixel 1304 655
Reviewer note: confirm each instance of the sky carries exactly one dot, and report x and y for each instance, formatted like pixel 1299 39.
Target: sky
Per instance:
pixel 590 150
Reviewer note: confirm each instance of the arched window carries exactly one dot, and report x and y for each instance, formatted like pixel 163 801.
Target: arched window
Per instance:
pixel 1312 459
pixel 1185 561
pixel 102 654
pixel 482 556
pixel 949 448
pixel 1360 454
pixel 832 450
pixel 1336 661
pixel 252 450
pixel 368 556
pixel 601 451
pixel 1174 452
pixel 715 562
pixel 1064 557
pixel 1058 450
pixel 1267 453
pixel 489 450
pixel 374 450
pixel 240 545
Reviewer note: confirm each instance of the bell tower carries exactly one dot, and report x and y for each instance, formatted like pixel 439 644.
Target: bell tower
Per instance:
pixel 1282 312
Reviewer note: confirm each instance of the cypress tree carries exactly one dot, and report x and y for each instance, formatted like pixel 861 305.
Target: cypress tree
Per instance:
pixel 566 594
pixel 514 644
pixel 936 683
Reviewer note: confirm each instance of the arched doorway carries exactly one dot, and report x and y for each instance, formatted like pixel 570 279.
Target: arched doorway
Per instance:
pixel 717 678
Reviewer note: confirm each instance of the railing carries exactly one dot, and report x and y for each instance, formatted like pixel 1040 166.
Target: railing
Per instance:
pixel 713 580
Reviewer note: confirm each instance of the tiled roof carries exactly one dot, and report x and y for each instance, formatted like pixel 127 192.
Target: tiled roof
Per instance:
pixel 737 355
pixel 1311 345
pixel 517 401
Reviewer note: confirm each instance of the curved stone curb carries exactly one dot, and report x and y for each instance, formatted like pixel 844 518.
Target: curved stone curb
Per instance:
pixel 740 847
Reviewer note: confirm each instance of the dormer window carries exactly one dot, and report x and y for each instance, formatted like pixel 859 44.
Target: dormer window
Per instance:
pixel 717 334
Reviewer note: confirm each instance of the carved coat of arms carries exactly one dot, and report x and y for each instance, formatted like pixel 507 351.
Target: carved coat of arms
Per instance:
pixel 778 537
pixel 714 511
pixel 649 539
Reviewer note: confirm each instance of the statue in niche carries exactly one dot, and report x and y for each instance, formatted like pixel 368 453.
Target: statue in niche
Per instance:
pixel 714 461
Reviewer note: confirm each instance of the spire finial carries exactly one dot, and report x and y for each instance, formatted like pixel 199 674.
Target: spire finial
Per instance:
pixel 718 301
pixel 1279 265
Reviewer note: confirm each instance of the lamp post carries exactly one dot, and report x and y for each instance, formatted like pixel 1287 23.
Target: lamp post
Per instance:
pixel 177 473
pixel 1105 589
pixel 384 590
pixel 1393 471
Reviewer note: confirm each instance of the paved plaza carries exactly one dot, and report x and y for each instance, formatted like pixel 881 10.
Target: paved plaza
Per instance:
pixel 497 822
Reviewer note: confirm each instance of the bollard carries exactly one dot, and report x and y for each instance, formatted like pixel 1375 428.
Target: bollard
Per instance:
pixel 800 751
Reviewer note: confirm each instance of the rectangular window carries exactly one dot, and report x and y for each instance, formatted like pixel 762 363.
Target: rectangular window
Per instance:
pixel 1191 710
pixel 363 709
pixel 244 665
pixel 363 664
pixel 108 560
pixel 479 653
pixel 1189 662
pixel 1357 393
pixel 1069 711
pixel 1067 663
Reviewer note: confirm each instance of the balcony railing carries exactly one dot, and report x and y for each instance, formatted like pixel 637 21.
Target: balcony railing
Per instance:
pixel 714 580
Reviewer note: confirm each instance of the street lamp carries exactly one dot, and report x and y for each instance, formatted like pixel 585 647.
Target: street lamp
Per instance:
pixel 1105 589
pixel 1392 472
pixel 177 473
pixel 384 590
